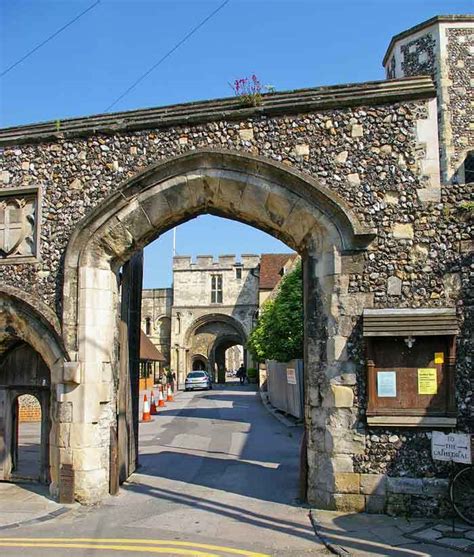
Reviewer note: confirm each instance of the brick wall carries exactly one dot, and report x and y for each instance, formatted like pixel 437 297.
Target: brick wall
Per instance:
pixel 29 409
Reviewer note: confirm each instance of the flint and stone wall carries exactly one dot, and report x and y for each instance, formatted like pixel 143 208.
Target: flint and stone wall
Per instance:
pixel 444 49
pixel 379 153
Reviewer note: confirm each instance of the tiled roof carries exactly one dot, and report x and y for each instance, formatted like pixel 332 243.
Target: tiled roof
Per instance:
pixel 271 265
pixel 148 350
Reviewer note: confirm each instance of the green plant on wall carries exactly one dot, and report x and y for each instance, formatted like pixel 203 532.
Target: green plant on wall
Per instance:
pixel 467 208
pixel 278 334
pixel 248 90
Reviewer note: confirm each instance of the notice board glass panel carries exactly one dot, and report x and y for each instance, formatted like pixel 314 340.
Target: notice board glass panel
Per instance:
pixel 410 381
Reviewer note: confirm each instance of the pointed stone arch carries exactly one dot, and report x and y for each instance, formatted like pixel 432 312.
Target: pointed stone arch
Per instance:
pixel 287 204
pixel 28 319
pixel 283 202
pixel 29 334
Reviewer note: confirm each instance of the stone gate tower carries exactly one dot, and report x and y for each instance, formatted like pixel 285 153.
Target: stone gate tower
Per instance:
pixel 443 47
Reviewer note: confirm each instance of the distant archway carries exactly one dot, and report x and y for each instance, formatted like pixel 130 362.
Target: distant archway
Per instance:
pixel 206 333
pixel 27 439
pixel 199 363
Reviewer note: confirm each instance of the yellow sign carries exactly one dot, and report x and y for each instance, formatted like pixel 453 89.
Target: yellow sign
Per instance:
pixel 439 358
pixel 427 381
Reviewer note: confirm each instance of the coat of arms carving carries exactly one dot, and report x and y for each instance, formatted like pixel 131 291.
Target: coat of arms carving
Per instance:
pixel 18 225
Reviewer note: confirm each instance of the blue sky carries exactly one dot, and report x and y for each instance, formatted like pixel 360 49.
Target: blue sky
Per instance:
pixel 289 44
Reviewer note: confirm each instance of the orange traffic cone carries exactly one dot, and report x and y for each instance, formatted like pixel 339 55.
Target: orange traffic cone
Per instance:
pixel 169 394
pixel 146 410
pixel 153 410
pixel 161 400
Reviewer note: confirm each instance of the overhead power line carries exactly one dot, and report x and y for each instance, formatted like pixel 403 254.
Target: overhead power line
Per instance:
pixel 163 58
pixel 55 34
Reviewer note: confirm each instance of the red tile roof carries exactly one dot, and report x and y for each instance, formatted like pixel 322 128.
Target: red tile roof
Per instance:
pixel 148 350
pixel 271 265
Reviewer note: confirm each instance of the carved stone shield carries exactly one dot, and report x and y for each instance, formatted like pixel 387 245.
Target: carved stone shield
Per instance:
pixel 16 226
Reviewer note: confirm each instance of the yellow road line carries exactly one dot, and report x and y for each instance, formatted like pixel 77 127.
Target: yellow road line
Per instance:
pixel 138 548
pixel 137 542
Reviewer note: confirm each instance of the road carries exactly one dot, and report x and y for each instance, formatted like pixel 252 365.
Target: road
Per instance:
pixel 218 476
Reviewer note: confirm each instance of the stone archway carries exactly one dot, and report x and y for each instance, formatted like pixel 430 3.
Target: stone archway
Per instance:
pixel 218 351
pixel 286 204
pixel 33 361
pixel 214 327
pixel 199 363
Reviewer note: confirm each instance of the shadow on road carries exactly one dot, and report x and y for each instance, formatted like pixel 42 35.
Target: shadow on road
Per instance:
pixel 265 481
pixel 243 515
pixel 236 448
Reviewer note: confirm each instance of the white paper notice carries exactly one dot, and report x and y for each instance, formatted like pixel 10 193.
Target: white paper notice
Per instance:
pixel 386 384
pixel 290 376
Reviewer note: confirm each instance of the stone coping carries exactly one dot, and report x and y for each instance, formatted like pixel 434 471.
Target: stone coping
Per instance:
pixel 455 18
pixel 273 104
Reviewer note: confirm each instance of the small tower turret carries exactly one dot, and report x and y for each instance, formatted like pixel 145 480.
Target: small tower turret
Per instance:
pixel 443 47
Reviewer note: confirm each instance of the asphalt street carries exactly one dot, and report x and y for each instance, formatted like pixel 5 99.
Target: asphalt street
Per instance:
pixel 218 476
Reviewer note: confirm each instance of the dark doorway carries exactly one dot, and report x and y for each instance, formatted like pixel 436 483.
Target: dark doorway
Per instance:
pixel 25 421
pixel 199 365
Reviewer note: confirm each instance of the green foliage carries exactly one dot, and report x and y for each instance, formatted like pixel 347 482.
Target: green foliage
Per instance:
pixel 252 372
pixel 467 206
pixel 278 334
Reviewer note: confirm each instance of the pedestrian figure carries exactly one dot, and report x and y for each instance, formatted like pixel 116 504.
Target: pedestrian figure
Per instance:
pixel 170 376
pixel 242 374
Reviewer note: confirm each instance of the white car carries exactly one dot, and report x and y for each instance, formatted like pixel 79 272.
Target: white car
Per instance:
pixel 197 380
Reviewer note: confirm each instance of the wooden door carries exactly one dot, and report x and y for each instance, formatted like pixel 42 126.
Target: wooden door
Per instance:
pixel 129 339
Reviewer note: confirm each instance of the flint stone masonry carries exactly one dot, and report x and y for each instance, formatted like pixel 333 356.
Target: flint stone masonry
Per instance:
pixel 143 172
pixel 442 48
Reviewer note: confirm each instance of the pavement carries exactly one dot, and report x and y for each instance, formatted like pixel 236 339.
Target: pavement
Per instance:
pixel 25 504
pixel 368 534
pixel 29 438
pixel 218 476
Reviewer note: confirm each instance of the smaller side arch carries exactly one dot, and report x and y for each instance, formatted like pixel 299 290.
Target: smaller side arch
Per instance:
pixel 23 372
pixel 32 322
pixel 199 363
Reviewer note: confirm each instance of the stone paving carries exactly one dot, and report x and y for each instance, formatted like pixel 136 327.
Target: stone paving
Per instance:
pixel 361 535
pixel 27 503
pixel 460 537
pixel 28 465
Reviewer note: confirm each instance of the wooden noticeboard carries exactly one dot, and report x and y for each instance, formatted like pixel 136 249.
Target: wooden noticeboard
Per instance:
pixel 416 381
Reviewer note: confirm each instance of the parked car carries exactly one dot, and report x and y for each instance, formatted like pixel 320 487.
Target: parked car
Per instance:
pixel 197 380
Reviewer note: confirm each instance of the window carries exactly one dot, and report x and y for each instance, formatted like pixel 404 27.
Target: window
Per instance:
pixel 469 168
pixel 148 326
pixel 238 273
pixel 216 289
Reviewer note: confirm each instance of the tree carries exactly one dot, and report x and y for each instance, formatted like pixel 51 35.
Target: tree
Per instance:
pixel 278 334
